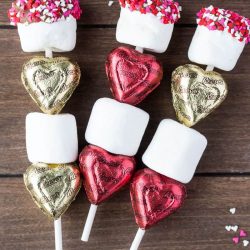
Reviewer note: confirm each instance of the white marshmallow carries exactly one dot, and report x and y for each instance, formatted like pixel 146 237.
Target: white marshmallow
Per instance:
pixel 58 36
pixel 215 48
pixel 116 127
pixel 143 30
pixel 51 138
pixel 175 151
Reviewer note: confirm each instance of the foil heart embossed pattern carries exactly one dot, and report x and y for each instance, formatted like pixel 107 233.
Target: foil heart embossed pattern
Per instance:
pixel 196 93
pixel 104 173
pixel 132 75
pixel 53 187
pixel 50 81
pixel 154 197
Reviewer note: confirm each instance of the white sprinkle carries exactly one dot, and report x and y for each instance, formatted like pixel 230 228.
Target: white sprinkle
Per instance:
pixel 234 228
pixel 110 3
pixel 32 10
pixel 232 210
pixel 245 243
pixel 228 228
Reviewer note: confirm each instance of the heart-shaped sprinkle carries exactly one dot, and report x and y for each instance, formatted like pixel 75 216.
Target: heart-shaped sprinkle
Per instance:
pixel 243 233
pixel 235 228
pixel 236 240
pixel 50 81
pixel 196 93
pixel 104 173
pixel 132 75
pixel 228 228
pixel 232 210
pixel 245 243
pixel 53 187
pixel 154 197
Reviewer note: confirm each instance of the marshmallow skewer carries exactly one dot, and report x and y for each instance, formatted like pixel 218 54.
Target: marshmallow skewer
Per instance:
pixel 172 158
pixel 53 138
pixel 218 42
pixel 175 150
pixel 53 180
pixel 146 25
pixel 114 131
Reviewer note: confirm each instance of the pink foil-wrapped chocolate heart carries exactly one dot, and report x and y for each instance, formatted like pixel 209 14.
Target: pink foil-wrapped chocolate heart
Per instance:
pixel 104 173
pixel 154 197
pixel 132 75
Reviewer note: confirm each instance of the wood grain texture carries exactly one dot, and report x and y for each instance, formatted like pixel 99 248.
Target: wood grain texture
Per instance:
pixel 97 11
pixel 223 180
pixel 198 225
pixel 227 128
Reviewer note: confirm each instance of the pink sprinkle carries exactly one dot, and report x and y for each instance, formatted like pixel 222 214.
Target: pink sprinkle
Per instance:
pixel 243 233
pixel 236 240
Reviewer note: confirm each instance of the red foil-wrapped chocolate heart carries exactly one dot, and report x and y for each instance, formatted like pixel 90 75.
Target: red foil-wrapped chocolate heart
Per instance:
pixel 104 173
pixel 132 75
pixel 154 197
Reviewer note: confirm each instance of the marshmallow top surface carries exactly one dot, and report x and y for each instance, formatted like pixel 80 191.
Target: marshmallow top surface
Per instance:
pixel 116 127
pixel 51 139
pixel 48 11
pixel 175 151
pixel 225 20
pixel 167 11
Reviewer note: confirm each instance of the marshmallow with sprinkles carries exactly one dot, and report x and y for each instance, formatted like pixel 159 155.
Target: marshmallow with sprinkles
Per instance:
pixel 46 24
pixel 220 38
pixel 147 24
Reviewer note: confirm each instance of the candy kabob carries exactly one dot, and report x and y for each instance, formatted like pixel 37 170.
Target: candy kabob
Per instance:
pixel 159 190
pixel 53 180
pixel 218 41
pixel 115 129
pixel 175 149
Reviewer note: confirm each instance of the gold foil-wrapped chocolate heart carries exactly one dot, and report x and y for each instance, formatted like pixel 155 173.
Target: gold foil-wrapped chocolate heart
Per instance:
pixel 52 187
pixel 50 81
pixel 196 93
